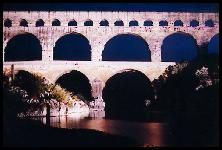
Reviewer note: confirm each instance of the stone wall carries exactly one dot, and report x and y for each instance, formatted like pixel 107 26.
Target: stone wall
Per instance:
pixel 99 35
pixel 96 69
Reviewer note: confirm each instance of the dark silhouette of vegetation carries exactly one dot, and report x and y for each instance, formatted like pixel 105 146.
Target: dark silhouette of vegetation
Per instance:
pixel 12 104
pixel 28 82
pixel 125 94
pixel 190 104
pixel 23 132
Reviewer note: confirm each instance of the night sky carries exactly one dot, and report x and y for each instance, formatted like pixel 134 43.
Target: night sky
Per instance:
pixel 120 48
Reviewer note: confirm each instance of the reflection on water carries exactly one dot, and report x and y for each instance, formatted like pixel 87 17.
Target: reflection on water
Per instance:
pixel 151 134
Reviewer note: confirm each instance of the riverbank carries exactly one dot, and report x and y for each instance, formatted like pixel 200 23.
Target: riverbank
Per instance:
pixel 30 133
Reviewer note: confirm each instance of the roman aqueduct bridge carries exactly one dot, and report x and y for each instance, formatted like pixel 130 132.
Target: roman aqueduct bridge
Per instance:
pixel 147 27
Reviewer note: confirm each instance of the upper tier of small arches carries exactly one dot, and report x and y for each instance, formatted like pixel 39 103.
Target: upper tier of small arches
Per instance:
pixel 104 22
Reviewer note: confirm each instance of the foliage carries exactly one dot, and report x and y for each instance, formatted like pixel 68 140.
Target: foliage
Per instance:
pixel 188 94
pixel 12 103
pixel 35 92
pixel 60 94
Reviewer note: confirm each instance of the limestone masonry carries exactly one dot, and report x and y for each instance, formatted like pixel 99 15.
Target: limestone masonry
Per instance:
pixel 96 69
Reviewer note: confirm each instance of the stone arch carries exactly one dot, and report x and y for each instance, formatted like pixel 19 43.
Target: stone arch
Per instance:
pixel 213 46
pixel 74 81
pixel 39 23
pixel 176 53
pixel 128 98
pixel 84 55
pixel 33 48
pixel 10 36
pixel 133 23
pixel 58 74
pixel 178 23
pixel 135 37
pixel 7 23
pixel 104 22
pixel 148 23
pixel 88 22
pixel 56 22
pixel 194 23
pixel 209 23
pixel 124 70
pixel 23 23
pixel 72 23
pixel 118 23
pixel 163 23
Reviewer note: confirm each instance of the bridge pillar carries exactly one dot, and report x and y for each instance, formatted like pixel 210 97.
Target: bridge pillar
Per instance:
pixel 47 55
pixel 155 48
pixel 47 51
pixel 4 45
pixel 96 53
pixel 97 88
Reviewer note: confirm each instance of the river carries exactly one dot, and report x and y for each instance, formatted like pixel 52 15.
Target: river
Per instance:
pixel 147 133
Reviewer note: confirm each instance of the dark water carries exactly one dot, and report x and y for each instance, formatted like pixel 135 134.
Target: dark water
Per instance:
pixel 147 133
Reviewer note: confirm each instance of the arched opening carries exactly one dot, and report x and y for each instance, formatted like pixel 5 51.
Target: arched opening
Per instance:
pixel 178 47
pixel 56 22
pixel 178 23
pixel 7 23
pixel 194 23
pixel 72 23
pixel 125 95
pixel 119 23
pixel 72 46
pixel 88 23
pixel 77 83
pixel 163 23
pixel 209 23
pixel 133 23
pixel 23 47
pixel 148 23
pixel 213 47
pixel 39 23
pixel 23 23
pixel 104 23
pixel 126 47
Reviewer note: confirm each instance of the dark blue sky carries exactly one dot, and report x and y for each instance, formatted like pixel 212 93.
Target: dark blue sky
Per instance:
pixel 191 7
pixel 123 47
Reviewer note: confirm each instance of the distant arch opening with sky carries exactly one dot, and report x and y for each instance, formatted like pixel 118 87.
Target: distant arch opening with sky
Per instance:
pixel 213 46
pixel 23 47
pixel 178 47
pixel 126 47
pixel 73 47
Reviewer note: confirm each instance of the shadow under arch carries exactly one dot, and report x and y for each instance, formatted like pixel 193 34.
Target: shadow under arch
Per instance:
pixel 77 83
pixel 125 95
pixel 213 46
pixel 179 46
pixel 72 46
pixel 126 47
pixel 23 47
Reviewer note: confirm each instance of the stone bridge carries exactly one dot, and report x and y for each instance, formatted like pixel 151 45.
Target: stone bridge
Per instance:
pixel 98 35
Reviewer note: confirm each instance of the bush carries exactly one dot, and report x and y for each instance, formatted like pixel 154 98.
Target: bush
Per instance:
pixel 190 97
